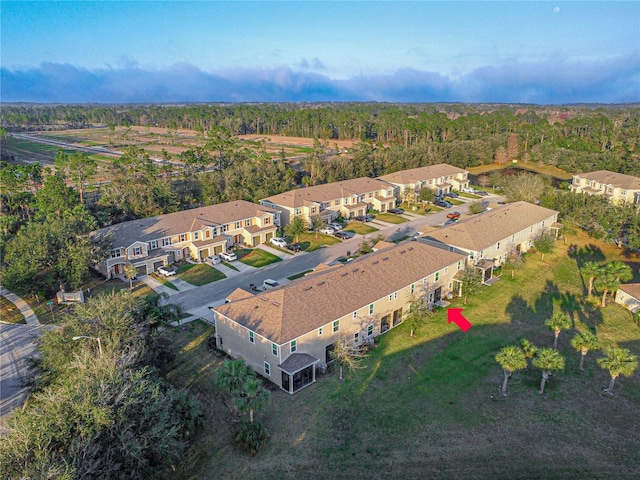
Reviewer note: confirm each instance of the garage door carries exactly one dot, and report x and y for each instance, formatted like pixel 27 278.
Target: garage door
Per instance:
pixel 142 270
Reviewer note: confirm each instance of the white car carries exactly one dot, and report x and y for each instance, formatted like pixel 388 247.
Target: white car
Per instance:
pixel 167 271
pixel 269 283
pixel 213 260
pixel 278 242
pixel 328 230
pixel 335 226
pixel 228 256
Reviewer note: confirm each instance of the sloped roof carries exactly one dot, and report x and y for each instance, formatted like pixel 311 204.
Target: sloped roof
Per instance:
pixel 632 289
pixel 153 228
pixel 628 182
pixel 486 229
pixel 329 191
pixel 413 175
pixel 300 307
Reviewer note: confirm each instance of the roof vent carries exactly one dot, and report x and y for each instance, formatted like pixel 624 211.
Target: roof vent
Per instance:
pixel 344 274
pixel 307 288
pixel 375 262
pixel 385 258
pixel 320 283
pixel 264 299
pixel 410 248
pixel 276 304
pixel 355 270
pixel 402 252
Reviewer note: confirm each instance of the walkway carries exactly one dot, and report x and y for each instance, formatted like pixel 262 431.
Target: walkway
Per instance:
pixel 25 309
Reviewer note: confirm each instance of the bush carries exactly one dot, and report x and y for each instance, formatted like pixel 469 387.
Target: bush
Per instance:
pixel 252 436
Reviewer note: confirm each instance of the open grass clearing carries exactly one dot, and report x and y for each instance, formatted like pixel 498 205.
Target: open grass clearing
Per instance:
pixel 199 274
pixel 390 218
pixel 311 241
pixel 359 228
pixel 9 313
pixel 256 257
pixel 429 407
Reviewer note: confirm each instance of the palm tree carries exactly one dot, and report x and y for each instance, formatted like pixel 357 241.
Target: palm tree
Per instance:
pixel 620 270
pixel 591 270
pixel 548 360
pixel 528 348
pixel 130 273
pixel 511 359
pixel 346 354
pixel 583 342
pixel 252 397
pixel 232 375
pixel 619 361
pixel 608 282
pixel 557 323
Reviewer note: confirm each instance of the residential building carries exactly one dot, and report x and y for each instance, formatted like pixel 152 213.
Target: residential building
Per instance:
pixel 441 178
pixel 286 333
pixel 488 238
pixel 628 295
pixel 346 198
pixel 150 243
pixel 619 188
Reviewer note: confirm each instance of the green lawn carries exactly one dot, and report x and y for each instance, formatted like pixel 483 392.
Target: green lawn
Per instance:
pixel 390 218
pixel 256 257
pixel 9 313
pixel 360 228
pixel 469 195
pixel 200 274
pixel 454 201
pixel 310 241
pixel 429 407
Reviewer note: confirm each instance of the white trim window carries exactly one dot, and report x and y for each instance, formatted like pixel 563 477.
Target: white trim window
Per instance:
pixel 293 346
pixel 267 369
pixel 252 337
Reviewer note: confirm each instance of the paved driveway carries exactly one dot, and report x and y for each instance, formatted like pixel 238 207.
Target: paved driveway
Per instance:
pixel 215 292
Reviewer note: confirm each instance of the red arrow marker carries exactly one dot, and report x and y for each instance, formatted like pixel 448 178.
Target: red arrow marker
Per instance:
pixel 455 315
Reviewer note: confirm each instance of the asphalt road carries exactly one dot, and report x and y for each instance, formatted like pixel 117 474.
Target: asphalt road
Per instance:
pixel 18 344
pixel 214 293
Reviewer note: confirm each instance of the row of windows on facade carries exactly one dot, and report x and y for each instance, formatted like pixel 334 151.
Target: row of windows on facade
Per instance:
pixel 598 186
pixel 164 242
pixel 371 310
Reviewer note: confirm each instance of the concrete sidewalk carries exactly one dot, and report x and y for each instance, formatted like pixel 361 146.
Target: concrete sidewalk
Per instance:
pixel 29 315
pixel 156 286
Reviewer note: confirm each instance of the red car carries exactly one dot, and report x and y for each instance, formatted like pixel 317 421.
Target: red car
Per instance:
pixel 453 215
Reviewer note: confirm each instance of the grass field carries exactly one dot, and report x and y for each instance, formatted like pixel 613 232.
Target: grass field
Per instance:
pixel 429 406
pixel 257 257
pixel 390 218
pixel 360 228
pixel 311 241
pixel 199 274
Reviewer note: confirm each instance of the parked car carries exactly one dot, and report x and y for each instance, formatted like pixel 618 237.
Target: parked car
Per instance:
pixel 167 271
pixel 228 256
pixel 364 218
pixel 327 230
pixel 397 211
pixel 454 215
pixel 481 193
pixel 451 195
pixel 335 226
pixel 213 260
pixel 294 247
pixel 342 235
pixel 443 204
pixel 269 283
pixel 469 190
pixel 278 242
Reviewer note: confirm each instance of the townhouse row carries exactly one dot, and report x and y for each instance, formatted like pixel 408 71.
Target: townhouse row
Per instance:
pixel 288 333
pixel 619 188
pixel 200 232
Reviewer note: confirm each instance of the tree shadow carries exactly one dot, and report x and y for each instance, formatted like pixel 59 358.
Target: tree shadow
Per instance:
pixel 543 305
pixel 588 253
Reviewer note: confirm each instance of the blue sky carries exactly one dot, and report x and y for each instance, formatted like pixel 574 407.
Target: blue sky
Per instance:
pixel 420 51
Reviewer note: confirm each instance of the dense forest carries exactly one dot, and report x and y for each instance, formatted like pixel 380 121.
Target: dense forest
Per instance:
pixel 571 137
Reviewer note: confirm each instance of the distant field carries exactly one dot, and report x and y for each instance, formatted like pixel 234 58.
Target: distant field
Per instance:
pixel 428 407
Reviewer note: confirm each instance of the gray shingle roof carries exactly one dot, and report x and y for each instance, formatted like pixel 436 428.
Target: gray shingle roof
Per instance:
pixel 289 312
pixel 153 228
pixel 486 229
